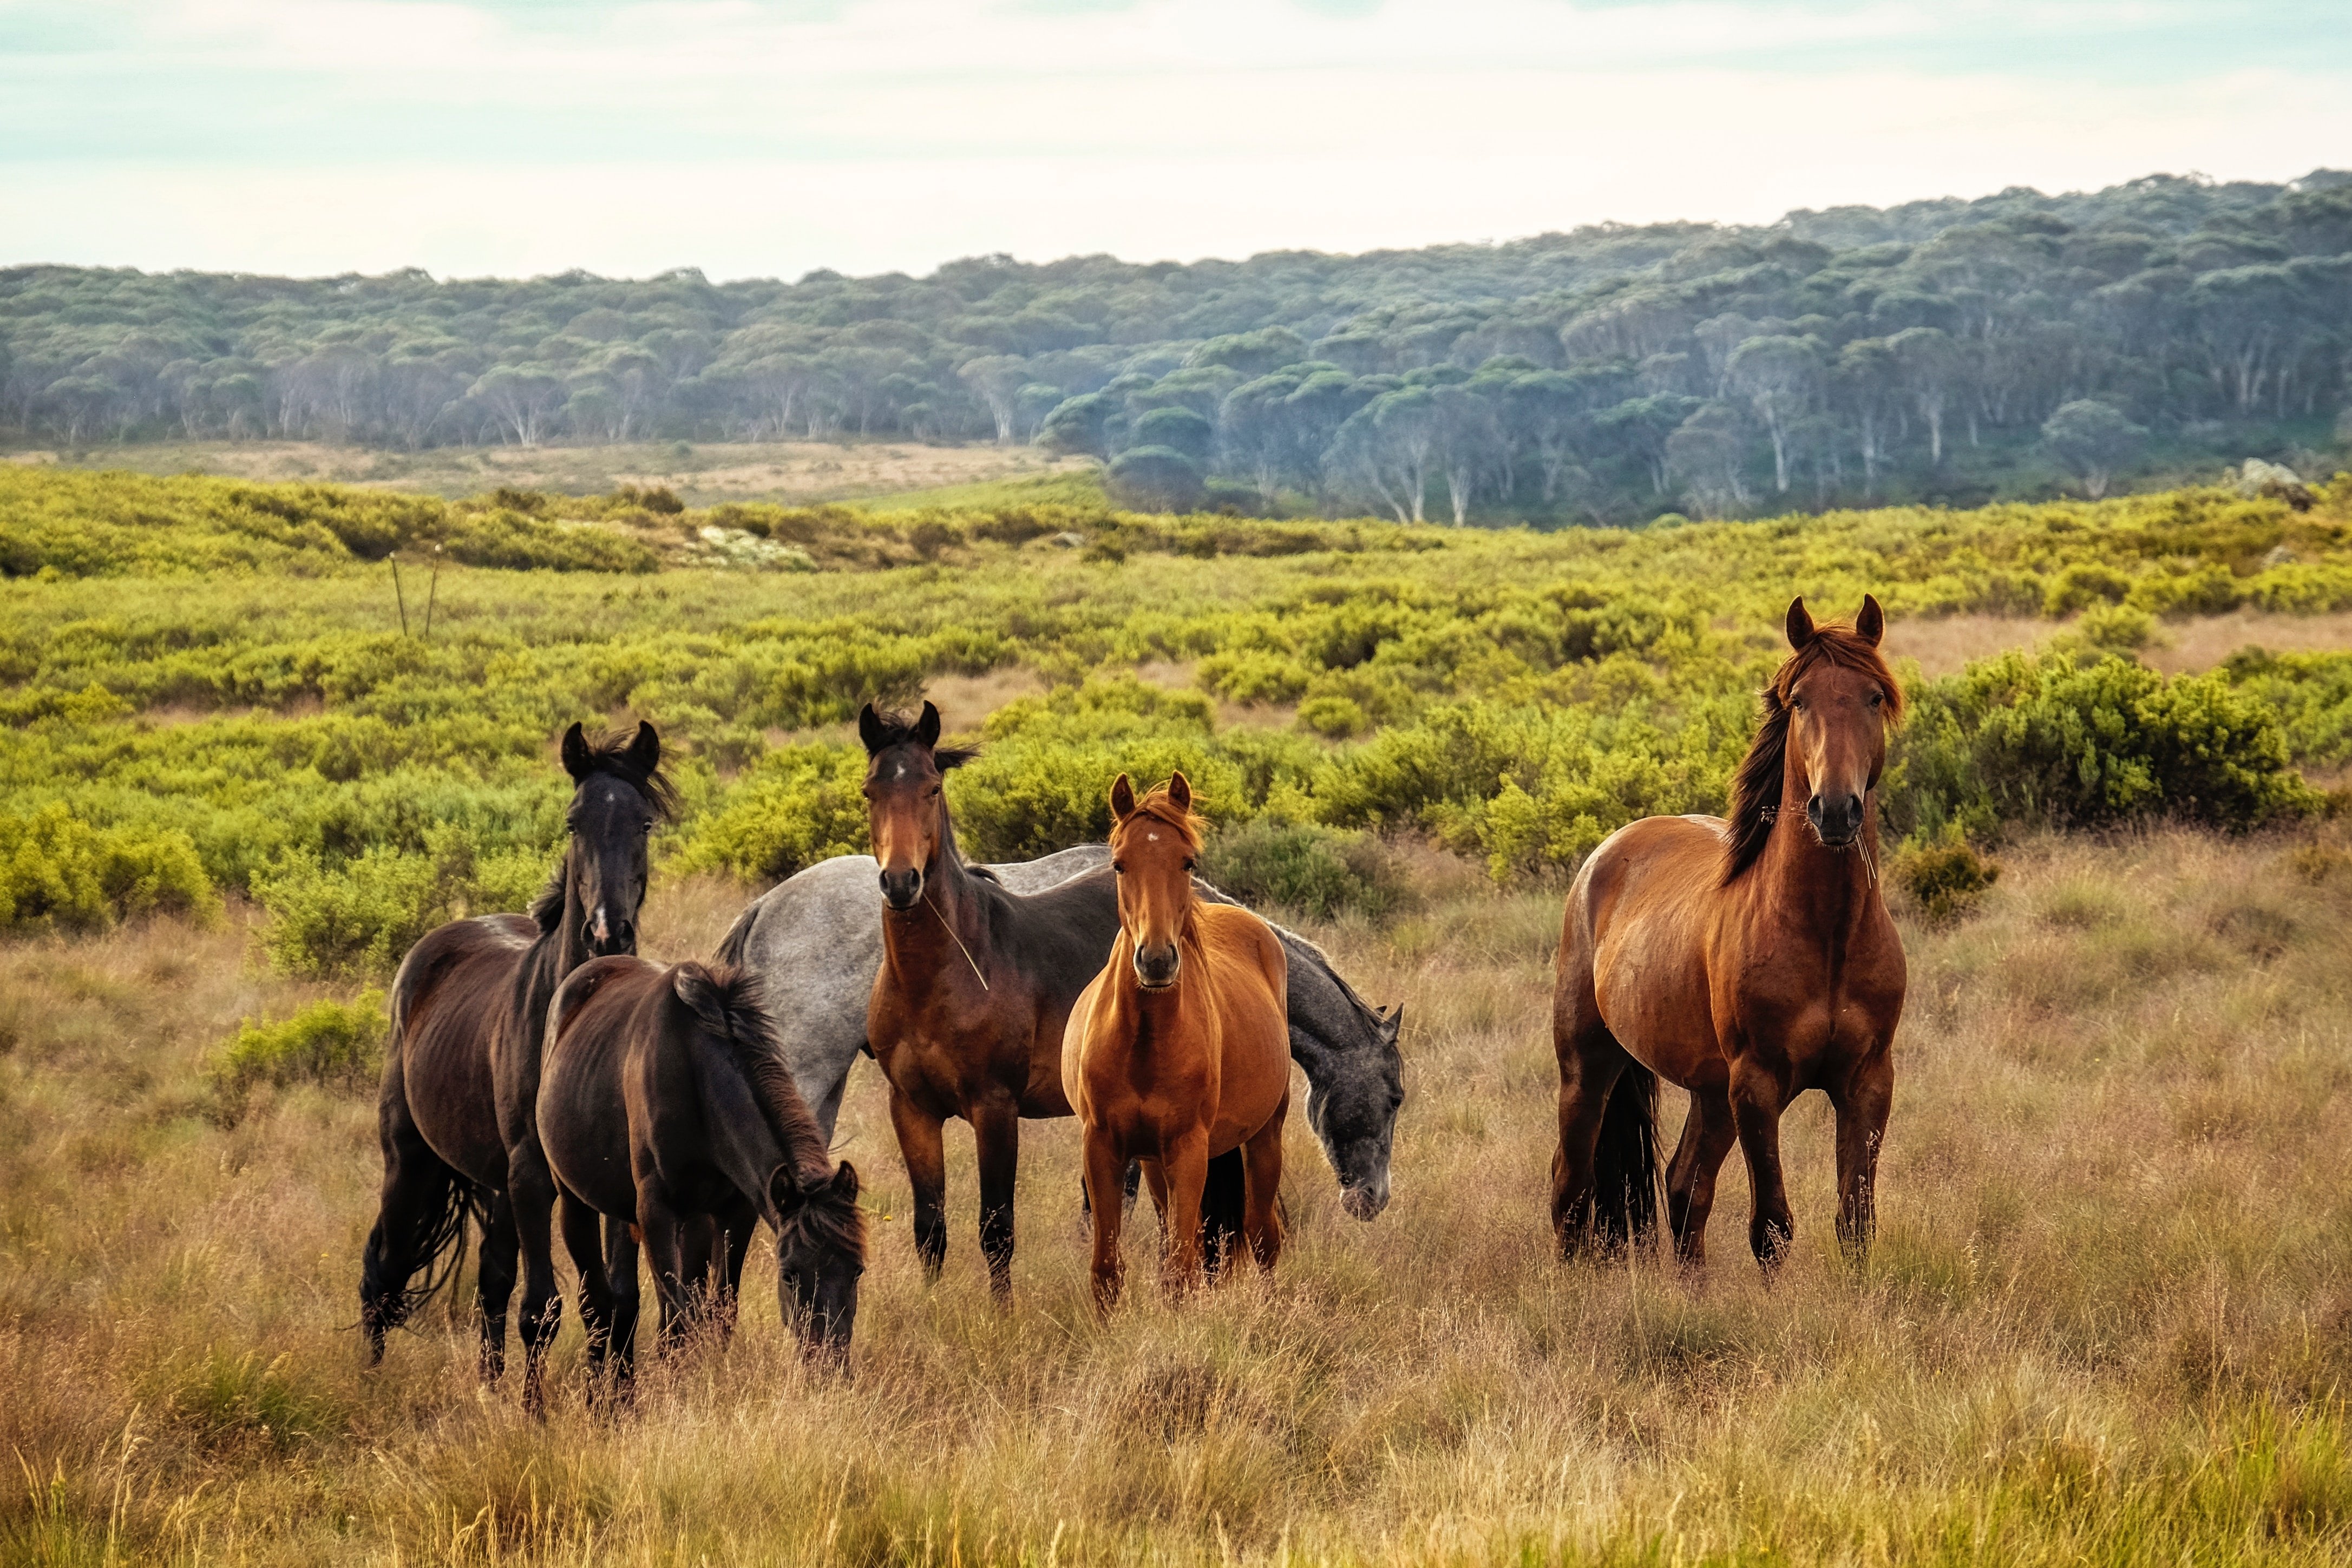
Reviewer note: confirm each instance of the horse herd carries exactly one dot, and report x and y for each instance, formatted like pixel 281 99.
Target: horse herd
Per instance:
pixel 540 1076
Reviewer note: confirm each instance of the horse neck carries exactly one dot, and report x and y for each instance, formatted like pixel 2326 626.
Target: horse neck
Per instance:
pixel 1830 892
pixel 553 955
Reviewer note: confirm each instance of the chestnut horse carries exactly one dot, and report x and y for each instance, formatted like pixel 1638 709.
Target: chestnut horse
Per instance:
pixel 1746 961
pixel 456 1116
pixel 1179 1050
pixel 665 1104
pixel 976 984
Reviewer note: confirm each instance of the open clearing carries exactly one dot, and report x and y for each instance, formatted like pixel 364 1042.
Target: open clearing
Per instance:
pixel 2108 1319
pixel 788 471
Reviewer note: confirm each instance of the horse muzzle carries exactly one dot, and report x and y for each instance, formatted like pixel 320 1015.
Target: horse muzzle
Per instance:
pixel 1836 819
pixel 902 890
pixel 605 936
pixel 1156 967
pixel 1365 1199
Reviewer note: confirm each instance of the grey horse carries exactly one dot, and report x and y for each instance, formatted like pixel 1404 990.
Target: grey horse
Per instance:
pixel 816 940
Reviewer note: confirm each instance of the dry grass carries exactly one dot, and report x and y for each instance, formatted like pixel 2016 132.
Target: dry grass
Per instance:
pixel 791 471
pixel 2108 1319
pixel 1944 644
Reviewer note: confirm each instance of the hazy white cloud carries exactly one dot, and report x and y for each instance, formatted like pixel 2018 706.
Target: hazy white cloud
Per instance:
pixel 326 135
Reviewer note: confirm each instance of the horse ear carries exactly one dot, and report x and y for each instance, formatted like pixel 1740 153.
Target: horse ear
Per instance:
pixel 575 753
pixel 645 752
pixel 869 730
pixel 1180 790
pixel 927 729
pixel 1122 799
pixel 845 1183
pixel 1871 624
pixel 1801 624
pixel 782 1191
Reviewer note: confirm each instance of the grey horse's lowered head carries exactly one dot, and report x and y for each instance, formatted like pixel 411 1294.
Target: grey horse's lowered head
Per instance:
pixel 1355 1074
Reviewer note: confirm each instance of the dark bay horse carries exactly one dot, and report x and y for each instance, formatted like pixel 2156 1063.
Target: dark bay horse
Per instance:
pixel 1746 961
pixel 1178 1051
pixel 457 1114
pixel 976 984
pixel 665 1104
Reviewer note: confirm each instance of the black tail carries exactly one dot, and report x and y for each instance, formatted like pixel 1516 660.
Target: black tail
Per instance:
pixel 401 1273
pixel 1625 1162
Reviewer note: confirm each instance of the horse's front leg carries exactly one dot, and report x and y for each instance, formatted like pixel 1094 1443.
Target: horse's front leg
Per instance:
pixel 1184 1164
pixel 1862 1101
pixel 580 1227
pixel 494 1285
pixel 664 1243
pixel 996 1128
pixel 1708 1132
pixel 531 1191
pixel 1757 1098
pixel 1105 1173
pixel 925 1152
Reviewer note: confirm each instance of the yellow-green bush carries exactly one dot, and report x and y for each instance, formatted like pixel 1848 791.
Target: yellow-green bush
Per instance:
pixel 334 1044
pixel 57 871
pixel 359 917
pixel 799 805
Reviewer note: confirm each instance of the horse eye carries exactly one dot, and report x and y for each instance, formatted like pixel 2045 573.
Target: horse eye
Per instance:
pixel 1119 868
pixel 647 826
pixel 1190 862
pixel 1876 698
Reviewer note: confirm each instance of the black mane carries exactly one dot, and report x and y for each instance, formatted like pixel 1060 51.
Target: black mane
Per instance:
pixel 897 729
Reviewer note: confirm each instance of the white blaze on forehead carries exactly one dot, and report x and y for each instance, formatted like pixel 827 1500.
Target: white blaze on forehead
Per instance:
pixel 1153 837
pixel 899 770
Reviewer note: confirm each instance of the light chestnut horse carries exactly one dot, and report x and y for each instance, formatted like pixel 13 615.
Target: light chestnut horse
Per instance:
pixel 1179 1050
pixel 1747 960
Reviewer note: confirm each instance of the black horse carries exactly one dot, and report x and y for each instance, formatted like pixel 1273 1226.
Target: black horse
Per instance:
pixel 665 1108
pixel 457 1117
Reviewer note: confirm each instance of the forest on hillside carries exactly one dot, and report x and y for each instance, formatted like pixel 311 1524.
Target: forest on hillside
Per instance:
pixel 1944 351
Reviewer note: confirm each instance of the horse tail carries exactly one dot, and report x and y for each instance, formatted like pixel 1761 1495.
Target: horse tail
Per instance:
pixel 1625 1188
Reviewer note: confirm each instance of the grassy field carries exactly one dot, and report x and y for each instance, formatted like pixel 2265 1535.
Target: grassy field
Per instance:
pixel 2109 1320
pixel 794 472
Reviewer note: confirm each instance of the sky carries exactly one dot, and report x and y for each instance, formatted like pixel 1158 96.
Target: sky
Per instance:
pixel 769 138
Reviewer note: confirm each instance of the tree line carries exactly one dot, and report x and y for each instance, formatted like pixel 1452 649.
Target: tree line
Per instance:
pixel 1943 349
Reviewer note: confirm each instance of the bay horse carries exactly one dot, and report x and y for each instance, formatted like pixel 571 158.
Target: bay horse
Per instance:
pixel 457 1114
pixel 966 1010
pixel 1747 961
pixel 1179 1050
pixel 664 1107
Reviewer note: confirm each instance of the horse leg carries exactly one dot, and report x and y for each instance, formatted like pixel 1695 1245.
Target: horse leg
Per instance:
pixel 699 1242
pixel 735 1237
pixel 1262 1163
pixel 1225 1198
pixel 530 1197
pixel 621 1279
pixel 419 1190
pixel 578 1225
pixel 997 1130
pixel 1757 1099
pixel 1104 1172
pixel 1588 1072
pixel 664 1244
pixel 1862 1101
pixel 494 1284
pixel 1184 1163
pixel 1708 1132
pixel 919 1145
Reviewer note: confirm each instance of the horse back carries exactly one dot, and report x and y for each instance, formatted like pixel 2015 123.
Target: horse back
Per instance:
pixel 1634 945
pixel 451 996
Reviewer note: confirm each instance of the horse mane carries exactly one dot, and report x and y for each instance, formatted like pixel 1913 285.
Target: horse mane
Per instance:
pixel 728 1004
pixel 897 729
pixel 1755 787
pixel 608 753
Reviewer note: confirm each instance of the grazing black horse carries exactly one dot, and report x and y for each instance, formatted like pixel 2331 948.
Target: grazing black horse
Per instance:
pixel 457 1114
pixel 665 1106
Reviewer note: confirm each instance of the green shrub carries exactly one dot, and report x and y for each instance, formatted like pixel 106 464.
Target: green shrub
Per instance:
pixel 360 917
pixel 1319 871
pixel 338 1045
pixel 2018 740
pixel 1336 716
pixel 1946 879
pixel 798 805
pixel 2082 585
pixel 59 873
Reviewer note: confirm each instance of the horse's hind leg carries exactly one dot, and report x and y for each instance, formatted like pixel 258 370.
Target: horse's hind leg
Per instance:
pixel 580 1226
pixel 921 1146
pixel 1263 1161
pixel 1756 1101
pixel 735 1227
pixel 1862 1101
pixel 621 1278
pixel 664 1244
pixel 530 1204
pixel 997 1130
pixel 1102 1174
pixel 1708 1132
pixel 495 1283
pixel 419 1191
pixel 1591 1062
